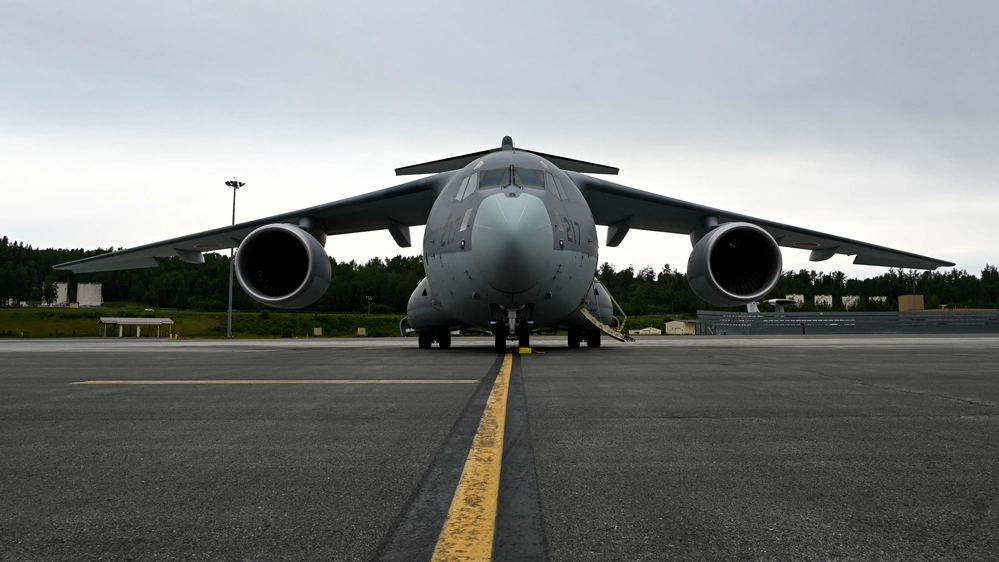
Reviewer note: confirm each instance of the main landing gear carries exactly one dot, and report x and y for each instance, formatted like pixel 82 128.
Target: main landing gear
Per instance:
pixel 441 336
pixel 578 335
pixel 500 333
pixel 524 334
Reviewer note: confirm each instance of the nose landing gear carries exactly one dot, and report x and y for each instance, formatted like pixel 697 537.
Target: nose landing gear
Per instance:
pixel 515 325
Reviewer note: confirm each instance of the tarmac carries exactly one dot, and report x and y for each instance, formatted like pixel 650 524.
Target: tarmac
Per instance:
pixel 669 448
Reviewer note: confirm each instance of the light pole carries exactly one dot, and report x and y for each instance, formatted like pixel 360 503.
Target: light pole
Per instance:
pixel 235 185
pixel 369 304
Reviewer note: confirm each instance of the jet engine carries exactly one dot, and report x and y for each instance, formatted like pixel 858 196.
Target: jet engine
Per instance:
pixel 734 264
pixel 283 266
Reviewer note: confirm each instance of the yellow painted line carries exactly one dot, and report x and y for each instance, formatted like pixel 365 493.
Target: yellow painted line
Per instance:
pixel 471 521
pixel 289 381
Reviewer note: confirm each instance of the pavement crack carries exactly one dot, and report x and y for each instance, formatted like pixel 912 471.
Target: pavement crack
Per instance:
pixel 893 388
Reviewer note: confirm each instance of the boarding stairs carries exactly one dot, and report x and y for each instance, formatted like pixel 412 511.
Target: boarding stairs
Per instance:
pixel 616 334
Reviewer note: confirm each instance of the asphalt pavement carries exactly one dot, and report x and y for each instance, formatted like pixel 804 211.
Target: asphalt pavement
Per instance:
pixel 682 448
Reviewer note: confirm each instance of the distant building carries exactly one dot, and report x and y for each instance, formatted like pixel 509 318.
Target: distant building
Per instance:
pixel 650 331
pixel 823 300
pixel 62 295
pixel 850 301
pixel 908 303
pixel 798 299
pixel 89 294
pixel 881 300
pixel 681 328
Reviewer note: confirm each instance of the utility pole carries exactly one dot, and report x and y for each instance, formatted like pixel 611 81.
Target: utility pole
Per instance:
pixel 235 185
pixel 369 304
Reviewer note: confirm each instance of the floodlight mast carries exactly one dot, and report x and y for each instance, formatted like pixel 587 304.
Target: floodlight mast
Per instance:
pixel 235 185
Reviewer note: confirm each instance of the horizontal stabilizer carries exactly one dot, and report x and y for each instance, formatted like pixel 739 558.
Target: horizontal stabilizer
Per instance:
pixel 571 165
pixel 458 162
pixel 443 165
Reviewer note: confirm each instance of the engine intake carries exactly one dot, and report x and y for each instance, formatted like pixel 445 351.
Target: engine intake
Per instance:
pixel 734 264
pixel 283 266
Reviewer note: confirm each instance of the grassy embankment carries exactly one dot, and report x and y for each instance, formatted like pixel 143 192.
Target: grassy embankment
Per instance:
pixel 66 322
pixel 72 323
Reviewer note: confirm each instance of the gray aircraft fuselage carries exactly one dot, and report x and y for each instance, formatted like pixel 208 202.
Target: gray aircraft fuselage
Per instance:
pixel 509 240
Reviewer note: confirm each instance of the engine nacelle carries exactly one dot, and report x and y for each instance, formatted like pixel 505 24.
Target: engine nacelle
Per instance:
pixel 734 264
pixel 283 266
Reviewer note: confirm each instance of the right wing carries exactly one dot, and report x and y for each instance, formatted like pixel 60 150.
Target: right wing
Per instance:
pixel 395 208
pixel 621 208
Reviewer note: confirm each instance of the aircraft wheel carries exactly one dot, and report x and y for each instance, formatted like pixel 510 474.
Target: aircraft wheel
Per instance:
pixel 444 339
pixel 574 338
pixel 593 338
pixel 500 338
pixel 524 334
pixel 425 339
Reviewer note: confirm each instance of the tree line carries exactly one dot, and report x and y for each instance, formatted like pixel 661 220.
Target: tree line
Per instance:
pixel 26 274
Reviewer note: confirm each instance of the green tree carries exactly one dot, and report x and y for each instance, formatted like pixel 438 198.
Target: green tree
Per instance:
pixel 50 292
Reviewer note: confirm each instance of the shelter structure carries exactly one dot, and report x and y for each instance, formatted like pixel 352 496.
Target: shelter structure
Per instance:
pixel 62 295
pixel 908 303
pixel 649 331
pixel 799 299
pixel 89 294
pixel 134 324
pixel 681 328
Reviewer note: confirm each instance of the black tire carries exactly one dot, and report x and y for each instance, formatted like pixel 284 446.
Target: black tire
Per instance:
pixel 425 339
pixel 500 338
pixel 574 338
pixel 524 334
pixel 444 339
pixel 593 338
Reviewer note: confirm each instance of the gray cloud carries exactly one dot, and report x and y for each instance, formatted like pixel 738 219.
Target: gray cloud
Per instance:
pixel 913 84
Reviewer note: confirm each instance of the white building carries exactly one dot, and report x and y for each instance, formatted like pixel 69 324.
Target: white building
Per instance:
pixel 850 301
pixel 798 299
pixel 89 294
pixel 650 331
pixel 878 299
pixel 823 300
pixel 62 295
pixel 681 328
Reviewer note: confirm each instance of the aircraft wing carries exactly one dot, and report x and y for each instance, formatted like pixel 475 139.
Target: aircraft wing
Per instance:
pixel 395 208
pixel 622 208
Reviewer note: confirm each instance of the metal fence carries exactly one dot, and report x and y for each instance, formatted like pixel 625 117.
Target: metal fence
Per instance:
pixel 711 322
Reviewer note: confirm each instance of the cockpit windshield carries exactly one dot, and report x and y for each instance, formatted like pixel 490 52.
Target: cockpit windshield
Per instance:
pixel 525 177
pixel 499 177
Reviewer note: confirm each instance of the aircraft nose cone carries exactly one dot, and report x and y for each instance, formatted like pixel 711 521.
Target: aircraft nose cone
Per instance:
pixel 512 241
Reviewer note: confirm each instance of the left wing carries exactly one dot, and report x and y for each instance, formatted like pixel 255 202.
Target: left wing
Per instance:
pixel 395 208
pixel 622 208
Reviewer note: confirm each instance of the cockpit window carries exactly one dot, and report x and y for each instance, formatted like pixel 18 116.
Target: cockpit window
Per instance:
pixel 467 187
pixel 550 185
pixel 554 186
pixel 499 177
pixel 461 190
pixel 525 177
pixel 561 190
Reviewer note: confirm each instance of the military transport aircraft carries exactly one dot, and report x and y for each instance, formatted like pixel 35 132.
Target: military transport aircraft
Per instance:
pixel 510 246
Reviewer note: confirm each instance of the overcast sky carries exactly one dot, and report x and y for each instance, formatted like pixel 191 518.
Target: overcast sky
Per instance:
pixel 120 121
